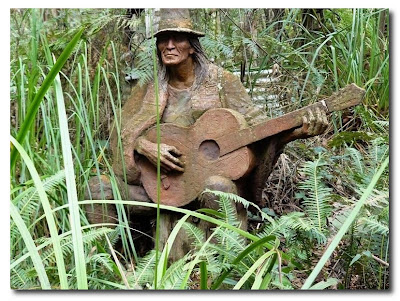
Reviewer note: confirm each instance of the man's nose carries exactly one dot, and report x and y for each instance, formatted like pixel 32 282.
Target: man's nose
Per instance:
pixel 170 44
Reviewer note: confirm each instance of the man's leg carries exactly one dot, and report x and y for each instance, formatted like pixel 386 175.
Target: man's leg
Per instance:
pixel 182 244
pixel 101 189
pixel 208 200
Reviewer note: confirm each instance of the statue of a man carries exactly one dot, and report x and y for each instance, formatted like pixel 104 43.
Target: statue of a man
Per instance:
pixel 189 85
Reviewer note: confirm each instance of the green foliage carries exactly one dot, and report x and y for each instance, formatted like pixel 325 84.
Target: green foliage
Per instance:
pixel 316 200
pixel 143 66
pixel 370 232
pixel 224 253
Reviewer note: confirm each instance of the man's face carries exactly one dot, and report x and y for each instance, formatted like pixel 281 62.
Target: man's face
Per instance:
pixel 174 48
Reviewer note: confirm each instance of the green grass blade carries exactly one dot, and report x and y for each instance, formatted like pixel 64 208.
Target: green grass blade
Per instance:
pixel 30 245
pixel 161 266
pixel 119 266
pixel 48 212
pixel 243 254
pixel 79 253
pixel 324 284
pixel 34 106
pixel 157 235
pixel 203 275
pixel 312 65
pixel 193 262
pixel 212 212
pixel 252 269
pixel 258 280
pixel 346 225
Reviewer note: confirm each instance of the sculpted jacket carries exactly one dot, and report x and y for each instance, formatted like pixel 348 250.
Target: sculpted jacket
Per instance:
pixel 220 89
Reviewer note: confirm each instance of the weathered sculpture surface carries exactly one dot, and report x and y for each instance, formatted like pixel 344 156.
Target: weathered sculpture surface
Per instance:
pixel 190 86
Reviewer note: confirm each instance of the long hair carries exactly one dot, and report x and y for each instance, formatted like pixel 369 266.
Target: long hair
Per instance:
pixel 200 70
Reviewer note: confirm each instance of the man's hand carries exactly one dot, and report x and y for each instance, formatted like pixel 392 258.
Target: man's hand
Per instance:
pixel 315 123
pixel 168 154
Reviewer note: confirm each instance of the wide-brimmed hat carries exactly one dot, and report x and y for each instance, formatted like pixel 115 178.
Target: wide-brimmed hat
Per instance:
pixel 178 20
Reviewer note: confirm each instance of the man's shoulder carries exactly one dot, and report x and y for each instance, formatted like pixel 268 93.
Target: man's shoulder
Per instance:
pixel 140 89
pixel 138 92
pixel 218 72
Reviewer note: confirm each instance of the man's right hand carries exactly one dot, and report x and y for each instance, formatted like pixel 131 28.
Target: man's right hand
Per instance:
pixel 168 154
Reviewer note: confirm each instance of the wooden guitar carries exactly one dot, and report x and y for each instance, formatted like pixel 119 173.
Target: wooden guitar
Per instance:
pixel 217 144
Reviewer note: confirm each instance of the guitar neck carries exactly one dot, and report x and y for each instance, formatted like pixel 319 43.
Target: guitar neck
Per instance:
pixel 350 96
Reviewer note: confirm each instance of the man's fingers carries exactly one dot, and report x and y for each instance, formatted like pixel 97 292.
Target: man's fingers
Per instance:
pixel 171 165
pixel 318 114
pixel 311 120
pixel 311 116
pixel 163 166
pixel 173 149
pixel 325 120
pixel 174 159
pixel 318 122
pixel 306 123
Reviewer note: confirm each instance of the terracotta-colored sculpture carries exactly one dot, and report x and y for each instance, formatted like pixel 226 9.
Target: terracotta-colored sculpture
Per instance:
pixel 198 150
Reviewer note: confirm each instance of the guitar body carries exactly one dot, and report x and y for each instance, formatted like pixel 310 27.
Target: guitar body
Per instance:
pixel 201 155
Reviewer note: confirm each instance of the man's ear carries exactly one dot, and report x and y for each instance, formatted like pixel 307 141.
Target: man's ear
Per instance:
pixel 191 50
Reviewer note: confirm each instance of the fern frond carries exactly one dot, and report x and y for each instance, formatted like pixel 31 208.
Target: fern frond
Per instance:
pixel 230 241
pixel 356 159
pixel 216 47
pixel 377 198
pixel 29 203
pixel 19 278
pixel 174 275
pixel 228 208
pixel 317 196
pixel 102 259
pixel 143 64
pixel 194 233
pixel 143 273
pixel 238 199
pixel 198 236
pixel 89 237
pixel 373 226
pixel 251 45
pixel 282 226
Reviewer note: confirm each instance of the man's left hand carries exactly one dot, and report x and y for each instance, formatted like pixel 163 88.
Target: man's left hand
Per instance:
pixel 315 123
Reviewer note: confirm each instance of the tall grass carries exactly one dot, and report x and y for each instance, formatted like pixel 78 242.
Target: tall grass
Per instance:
pixel 34 106
pixel 79 155
pixel 361 56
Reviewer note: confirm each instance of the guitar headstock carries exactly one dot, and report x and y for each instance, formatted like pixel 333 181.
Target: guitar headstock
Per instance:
pixel 349 96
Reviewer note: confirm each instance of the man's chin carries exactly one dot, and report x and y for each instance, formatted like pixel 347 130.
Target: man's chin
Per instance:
pixel 170 62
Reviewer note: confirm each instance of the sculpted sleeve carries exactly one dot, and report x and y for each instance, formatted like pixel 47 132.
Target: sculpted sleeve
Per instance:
pixel 235 97
pixel 120 137
pixel 137 115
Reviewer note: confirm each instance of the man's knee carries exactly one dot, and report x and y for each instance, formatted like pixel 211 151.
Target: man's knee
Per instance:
pixel 221 184
pixel 218 183
pixel 100 189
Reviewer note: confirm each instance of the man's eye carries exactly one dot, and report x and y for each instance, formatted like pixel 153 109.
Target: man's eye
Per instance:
pixel 162 39
pixel 179 38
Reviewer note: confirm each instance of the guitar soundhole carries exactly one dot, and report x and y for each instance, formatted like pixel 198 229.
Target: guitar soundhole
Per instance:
pixel 209 149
